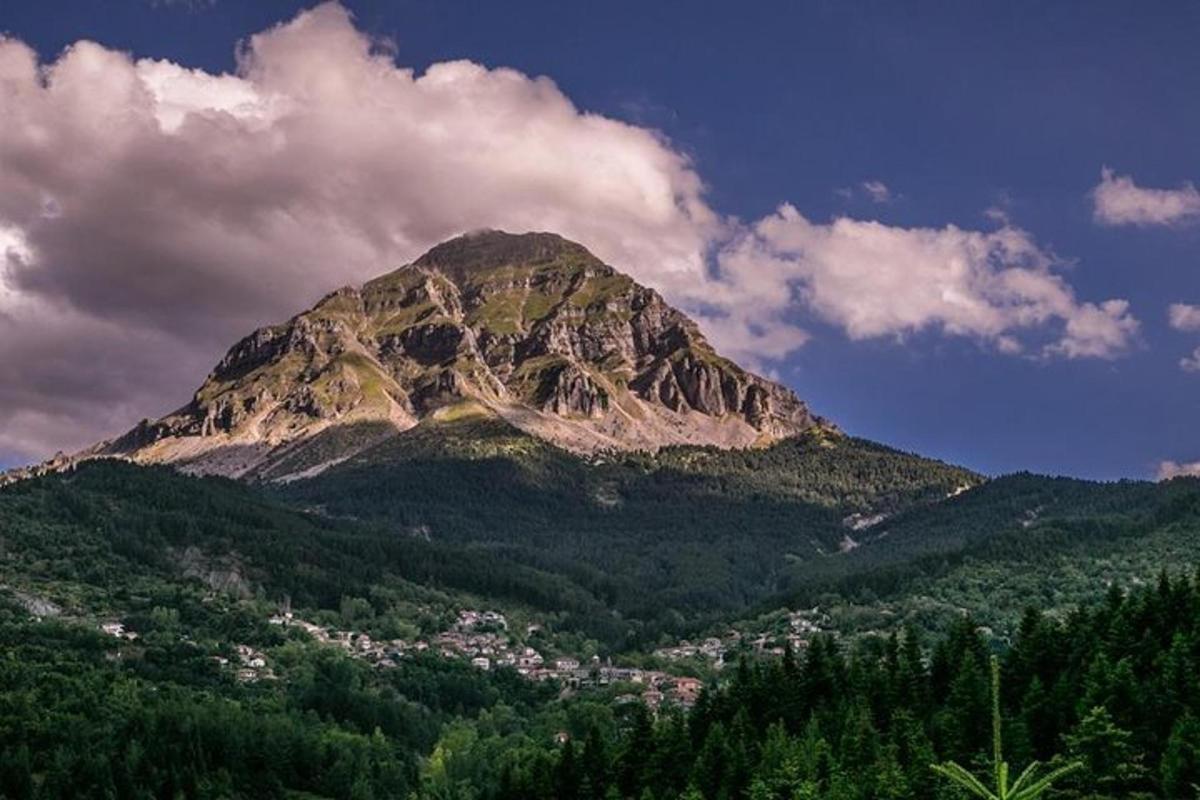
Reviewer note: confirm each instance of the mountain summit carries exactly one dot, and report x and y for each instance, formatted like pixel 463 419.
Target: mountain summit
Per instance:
pixel 530 328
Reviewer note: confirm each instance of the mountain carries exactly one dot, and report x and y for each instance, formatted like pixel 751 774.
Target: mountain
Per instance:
pixel 529 329
pixel 511 395
pixel 406 465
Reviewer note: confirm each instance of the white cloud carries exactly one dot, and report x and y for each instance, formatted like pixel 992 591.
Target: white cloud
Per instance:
pixel 191 207
pixel 874 280
pixel 1184 316
pixel 152 214
pixel 1119 201
pixel 1175 469
pixel 878 191
pixel 1191 363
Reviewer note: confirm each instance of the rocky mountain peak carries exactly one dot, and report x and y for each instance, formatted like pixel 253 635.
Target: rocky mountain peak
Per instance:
pixel 485 250
pixel 531 329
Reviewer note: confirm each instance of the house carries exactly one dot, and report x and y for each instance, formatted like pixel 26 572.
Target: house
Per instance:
pixel 494 618
pixel 482 663
pixel 117 629
pixel 686 691
pixel 530 658
pixel 566 664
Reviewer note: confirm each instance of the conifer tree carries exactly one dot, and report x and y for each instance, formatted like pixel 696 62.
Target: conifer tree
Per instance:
pixel 1113 767
pixel 1181 759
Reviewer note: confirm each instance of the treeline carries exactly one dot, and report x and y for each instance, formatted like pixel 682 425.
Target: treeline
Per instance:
pixel 1114 688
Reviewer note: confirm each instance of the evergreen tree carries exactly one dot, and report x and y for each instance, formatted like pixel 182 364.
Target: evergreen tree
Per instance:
pixel 566 772
pixel 1111 766
pixel 636 754
pixel 1181 759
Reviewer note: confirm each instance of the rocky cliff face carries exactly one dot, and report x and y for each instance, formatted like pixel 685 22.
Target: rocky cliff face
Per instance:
pixel 529 328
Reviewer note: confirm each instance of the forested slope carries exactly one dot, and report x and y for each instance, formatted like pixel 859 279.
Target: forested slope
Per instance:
pixel 685 533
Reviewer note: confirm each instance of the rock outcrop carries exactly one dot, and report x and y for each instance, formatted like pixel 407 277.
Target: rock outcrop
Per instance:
pixel 531 328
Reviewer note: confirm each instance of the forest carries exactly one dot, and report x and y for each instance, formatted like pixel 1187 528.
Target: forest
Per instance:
pixel 1062 580
pixel 1111 688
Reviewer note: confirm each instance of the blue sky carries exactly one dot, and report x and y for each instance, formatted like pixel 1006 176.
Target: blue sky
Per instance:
pixel 957 108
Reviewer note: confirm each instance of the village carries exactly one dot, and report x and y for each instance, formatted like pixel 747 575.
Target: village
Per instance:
pixel 801 627
pixel 482 638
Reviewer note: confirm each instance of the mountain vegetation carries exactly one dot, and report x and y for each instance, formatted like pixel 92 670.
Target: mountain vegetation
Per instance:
pixel 1110 685
pixel 1109 688
pixel 509 430
pixel 683 535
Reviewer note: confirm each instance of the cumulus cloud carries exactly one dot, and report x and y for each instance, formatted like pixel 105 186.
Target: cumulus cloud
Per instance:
pixel 1117 200
pixel 1191 363
pixel 165 211
pixel 874 280
pixel 152 214
pixel 1175 469
pixel 1184 316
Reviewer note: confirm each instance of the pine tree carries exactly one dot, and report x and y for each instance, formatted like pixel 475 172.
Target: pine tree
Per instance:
pixel 1181 759
pixel 594 767
pixel 566 772
pixel 712 762
pixel 16 773
pixel 912 678
pixel 914 752
pixel 670 761
pixel 960 735
pixel 1110 762
pixel 636 754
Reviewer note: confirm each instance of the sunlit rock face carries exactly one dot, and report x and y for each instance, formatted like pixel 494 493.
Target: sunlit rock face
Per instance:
pixel 531 328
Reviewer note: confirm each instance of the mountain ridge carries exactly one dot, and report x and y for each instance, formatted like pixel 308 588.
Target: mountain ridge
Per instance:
pixel 531 329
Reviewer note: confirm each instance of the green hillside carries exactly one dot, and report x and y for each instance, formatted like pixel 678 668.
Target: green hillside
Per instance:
pixel 1015 541
pixel 194 567
pixel 688 533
